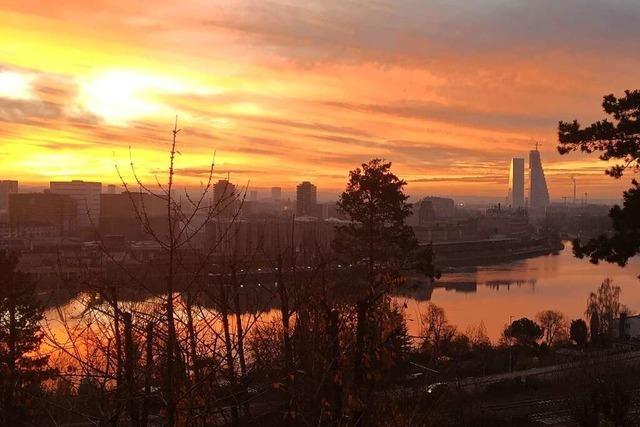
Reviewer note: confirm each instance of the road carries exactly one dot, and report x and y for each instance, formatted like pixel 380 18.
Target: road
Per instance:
pixel 479 383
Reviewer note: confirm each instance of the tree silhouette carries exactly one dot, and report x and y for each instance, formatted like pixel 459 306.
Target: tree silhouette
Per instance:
pixel 615 140
pixel 525 331
pixel 22 370
pixel 377 244
pixel 435 330
pixel 578 332
pixel 553 324
pixel 603 307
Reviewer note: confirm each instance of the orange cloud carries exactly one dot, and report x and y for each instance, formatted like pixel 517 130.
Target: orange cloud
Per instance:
pixel 285 92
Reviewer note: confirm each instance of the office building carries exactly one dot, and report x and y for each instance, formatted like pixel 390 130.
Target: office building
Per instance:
pixel 426 213
pixel 225 198
pixel 306 199
pixel 87 198
pixel 223 190
pixel 443 207
pixel 331 210
pixel 7 187
pixel 276 194
pixel 42 214
pixel 538 192
pixel 516 183
pixel 126 214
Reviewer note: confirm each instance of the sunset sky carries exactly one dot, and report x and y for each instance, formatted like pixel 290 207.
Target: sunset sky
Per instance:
pixel 286 91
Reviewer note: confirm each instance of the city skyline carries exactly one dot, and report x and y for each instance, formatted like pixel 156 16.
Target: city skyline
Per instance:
pixel 308 101
pixel 537 190
pixel 323 212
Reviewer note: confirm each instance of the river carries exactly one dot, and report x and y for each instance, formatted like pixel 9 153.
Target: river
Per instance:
pixel 492 294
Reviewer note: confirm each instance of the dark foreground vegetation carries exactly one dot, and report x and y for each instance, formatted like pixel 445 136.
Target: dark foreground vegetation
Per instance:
pixel 108 368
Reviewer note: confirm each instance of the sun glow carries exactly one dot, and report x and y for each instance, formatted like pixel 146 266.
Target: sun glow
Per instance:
pixel 120 96
pixel 14 85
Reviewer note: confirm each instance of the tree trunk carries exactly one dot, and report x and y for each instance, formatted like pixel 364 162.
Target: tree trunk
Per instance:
pixel 361 327
pixel 240 338
pixel 192 339
pixel 130 363
pixel 285 314
pixel 224 311
pixel 119 358
pixel 147 376
pixel 10 416
pixel 334 339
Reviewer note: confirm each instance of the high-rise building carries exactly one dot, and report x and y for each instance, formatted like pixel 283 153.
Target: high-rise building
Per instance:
pixel 29 212
pixel 276 194
pixel 426 213
pixel 131 214
pixel 443 207
pixel 225 198
pixel 538 192
pixel 331 210
pixel 223 190
pixel 7 187
pixel 111 189
pixel 306 199
pixel 516 183
pixel 87 198
pixel 253 196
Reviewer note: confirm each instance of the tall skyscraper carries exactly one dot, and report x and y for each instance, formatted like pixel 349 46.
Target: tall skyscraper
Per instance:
pixel 223 189
pixel 516 183
pixel 87 198
pixel 538 192
pixel 225 198
pixel 7 187
pixel 276 194
pixel 306 199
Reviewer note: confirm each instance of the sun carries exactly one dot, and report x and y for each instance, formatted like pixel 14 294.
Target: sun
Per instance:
pixel 15 85
pixel 120 96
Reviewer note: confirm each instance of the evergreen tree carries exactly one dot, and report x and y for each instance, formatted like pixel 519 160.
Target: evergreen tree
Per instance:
pixel 618 139
pixel 578 332
pixel 22 370
pixel 378 244
pixel 525 331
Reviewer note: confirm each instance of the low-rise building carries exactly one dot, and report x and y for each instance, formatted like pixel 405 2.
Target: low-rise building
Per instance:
pixel 42 214
pixel 626 327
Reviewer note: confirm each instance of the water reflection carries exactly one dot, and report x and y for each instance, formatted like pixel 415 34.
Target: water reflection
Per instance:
pixel 487 294
pixel 498 284
pixel 492 294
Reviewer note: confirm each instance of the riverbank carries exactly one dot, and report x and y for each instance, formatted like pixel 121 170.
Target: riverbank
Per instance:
pixel 452 255
pixel 492 294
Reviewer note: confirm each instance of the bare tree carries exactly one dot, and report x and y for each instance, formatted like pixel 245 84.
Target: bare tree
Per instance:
pixel 554 324
pixel 435 329
pixel 105 340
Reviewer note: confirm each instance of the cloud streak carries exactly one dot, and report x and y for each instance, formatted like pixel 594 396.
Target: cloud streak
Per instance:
pixel 284 91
